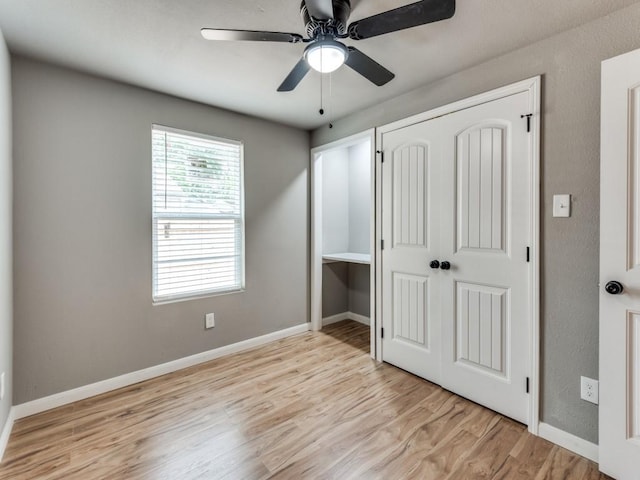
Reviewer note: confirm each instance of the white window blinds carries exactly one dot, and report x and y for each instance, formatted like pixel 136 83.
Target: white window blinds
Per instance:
pixel 198 211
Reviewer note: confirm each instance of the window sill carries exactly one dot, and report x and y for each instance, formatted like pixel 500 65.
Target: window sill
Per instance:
pixel 194 297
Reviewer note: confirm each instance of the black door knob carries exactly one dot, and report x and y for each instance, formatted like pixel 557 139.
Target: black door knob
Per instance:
pixel 614 288
pixel 434 264
pixel 445 265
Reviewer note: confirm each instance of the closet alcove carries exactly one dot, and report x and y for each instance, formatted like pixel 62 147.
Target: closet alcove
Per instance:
pixel 342 232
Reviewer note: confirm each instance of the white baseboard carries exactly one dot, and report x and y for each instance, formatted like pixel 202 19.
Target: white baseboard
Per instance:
pixel 335 318
pixel 346 316
pixel 359 318
pixel 6 432
pixel 569 441
pixel 80 393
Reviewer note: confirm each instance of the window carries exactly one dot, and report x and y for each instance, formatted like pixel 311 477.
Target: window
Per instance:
pixel 198 215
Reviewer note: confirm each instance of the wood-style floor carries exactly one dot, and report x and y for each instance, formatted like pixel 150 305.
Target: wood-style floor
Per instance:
pixel 313 406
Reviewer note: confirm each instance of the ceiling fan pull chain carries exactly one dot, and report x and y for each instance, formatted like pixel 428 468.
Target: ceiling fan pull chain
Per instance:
pixel 321 97
pixel 330 99
pixel 321 90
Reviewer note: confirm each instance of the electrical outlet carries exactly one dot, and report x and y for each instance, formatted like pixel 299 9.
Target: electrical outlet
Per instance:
pixel 209 320
pixel 1 385
pixel 589 390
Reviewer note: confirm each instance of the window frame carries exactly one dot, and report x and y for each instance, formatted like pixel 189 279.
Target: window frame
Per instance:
pixel 181 297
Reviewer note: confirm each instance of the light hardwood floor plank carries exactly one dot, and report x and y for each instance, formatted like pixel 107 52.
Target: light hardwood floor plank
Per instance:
pixel 313 406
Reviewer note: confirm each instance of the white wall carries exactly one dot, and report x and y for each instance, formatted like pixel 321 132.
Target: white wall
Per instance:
pixel 6 274
pixel 82 183
pixel 335 201
pixel 360 197
pixel 346 199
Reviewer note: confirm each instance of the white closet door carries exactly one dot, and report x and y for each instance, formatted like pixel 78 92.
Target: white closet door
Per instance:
pixel 485 226
pixel 456 189
pixel 411 306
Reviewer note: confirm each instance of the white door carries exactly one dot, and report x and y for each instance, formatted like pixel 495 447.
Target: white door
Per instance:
pixel 411 195
pixel 456 189
pixel 485 231
pixel 619 413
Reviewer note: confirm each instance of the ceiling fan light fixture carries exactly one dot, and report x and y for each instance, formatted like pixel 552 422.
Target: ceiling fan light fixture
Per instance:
pixel 326 56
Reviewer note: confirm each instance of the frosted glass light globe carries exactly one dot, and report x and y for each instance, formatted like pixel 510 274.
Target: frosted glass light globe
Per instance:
pixel 326 56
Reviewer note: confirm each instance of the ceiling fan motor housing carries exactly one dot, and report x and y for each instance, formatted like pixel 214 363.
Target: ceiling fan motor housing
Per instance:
pixel 314 27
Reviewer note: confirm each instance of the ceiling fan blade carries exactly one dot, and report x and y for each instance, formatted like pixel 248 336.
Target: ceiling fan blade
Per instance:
pixel 412 15
pixel 368 67
pixel 320 9
pixel 250 35
pixel 295 76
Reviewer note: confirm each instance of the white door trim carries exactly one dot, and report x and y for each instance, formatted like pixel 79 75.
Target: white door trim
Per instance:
pixel 533 87
pixel 316 229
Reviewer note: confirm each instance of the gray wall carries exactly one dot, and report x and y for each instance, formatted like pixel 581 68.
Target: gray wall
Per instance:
pixel 359 289
pixel 82 231
pixel 6 274
pixel 335 288
pixel 570 63
pixel 345 288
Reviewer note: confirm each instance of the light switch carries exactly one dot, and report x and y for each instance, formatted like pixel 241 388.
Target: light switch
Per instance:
pixel 562 205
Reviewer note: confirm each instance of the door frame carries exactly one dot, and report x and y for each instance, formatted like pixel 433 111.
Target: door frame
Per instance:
pixel 316 228
pixel 533 87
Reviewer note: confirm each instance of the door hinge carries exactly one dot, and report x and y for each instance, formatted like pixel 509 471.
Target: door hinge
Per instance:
pixel 527 386
pixel 381 244
pixel 528 254
pixel 528 117
pixel 381 153
pixel 382 333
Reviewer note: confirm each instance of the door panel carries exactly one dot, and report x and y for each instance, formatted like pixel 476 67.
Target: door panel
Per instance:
pixel 634 178
pixel 481 326
pixel 410 313
pixel 619 416
pixel 411 297
pixel 634 374
pixel 480 163
pixel 493 148
pixel 410 196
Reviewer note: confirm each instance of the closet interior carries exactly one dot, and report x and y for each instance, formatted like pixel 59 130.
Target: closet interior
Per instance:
pixel 342 220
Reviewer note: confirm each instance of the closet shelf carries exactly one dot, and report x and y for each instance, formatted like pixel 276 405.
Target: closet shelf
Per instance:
pixel 363 258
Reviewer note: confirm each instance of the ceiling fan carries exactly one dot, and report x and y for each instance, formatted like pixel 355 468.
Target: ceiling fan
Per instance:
pixel 326 23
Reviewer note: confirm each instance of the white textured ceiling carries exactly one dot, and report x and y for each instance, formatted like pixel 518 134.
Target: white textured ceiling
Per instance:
pixel 157 44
